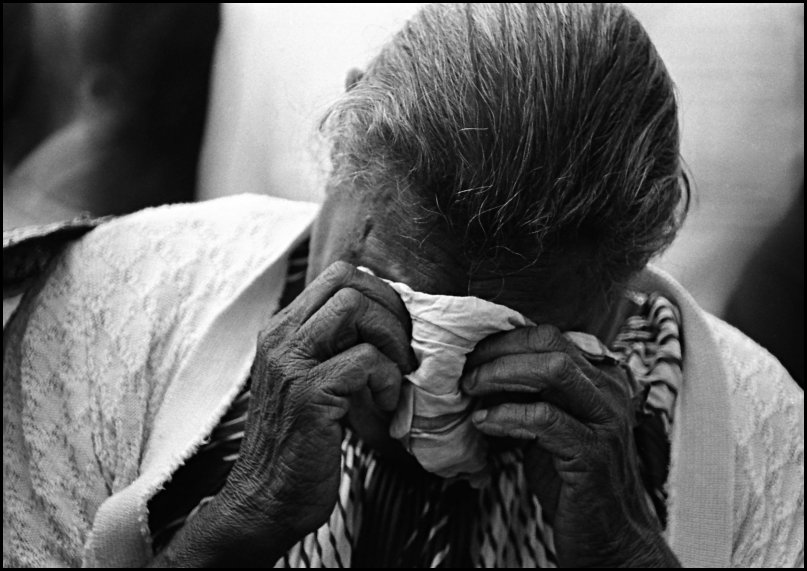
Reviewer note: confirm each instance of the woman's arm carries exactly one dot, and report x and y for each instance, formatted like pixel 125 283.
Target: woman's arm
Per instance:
pixel 347 332
pixel 575 420
pixel 221 535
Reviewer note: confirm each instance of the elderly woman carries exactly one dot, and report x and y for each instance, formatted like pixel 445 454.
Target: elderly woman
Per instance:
pixel 504 382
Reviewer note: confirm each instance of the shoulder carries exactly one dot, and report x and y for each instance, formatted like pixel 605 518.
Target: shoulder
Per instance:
pixel 200 227
pixel 163 258
pixel 135 292
pixel 746 425
pixel 762 390
pixel 138 276
pixel 751 365
pixel 119 309
pixel 767 409
pixel 168 260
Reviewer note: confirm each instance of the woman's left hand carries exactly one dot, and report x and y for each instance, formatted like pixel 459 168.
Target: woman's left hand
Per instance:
pixel 580 458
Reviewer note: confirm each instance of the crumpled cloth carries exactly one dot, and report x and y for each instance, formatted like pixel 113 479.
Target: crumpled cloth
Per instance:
pixel 433 418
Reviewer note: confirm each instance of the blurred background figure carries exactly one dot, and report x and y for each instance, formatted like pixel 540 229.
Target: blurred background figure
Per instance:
pixel 768 303
pixel 103 106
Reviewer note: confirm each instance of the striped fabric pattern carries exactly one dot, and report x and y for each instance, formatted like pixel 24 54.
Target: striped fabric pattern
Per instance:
pixel 650 345
pixel 180 500
pixel 388 517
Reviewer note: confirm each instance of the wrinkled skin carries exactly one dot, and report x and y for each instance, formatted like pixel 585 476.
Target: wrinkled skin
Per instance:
pixel 346 334
pixel 337 355
pixel 575 420
pixel 345 338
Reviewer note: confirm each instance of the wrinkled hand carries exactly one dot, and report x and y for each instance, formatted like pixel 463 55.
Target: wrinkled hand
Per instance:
pixel 348 332
pixel 576 420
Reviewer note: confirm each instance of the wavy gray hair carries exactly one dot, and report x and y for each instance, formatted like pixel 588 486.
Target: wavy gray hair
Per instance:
pixel 543 138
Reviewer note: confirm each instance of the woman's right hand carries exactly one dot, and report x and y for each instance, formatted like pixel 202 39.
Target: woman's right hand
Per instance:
pixel 348 332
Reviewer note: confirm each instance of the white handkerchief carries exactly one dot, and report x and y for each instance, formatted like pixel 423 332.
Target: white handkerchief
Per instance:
pixel 433 418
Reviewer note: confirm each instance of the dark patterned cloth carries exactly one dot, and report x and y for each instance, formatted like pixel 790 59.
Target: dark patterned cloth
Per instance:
pixel 392 517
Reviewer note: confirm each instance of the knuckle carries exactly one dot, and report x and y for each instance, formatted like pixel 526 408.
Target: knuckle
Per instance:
pixel 503 414
pixel 366 353
pixel 339 272
pixel 537 337
pixel 559 365
pixel 337 409
pixel 268 339
pixel 567 366
pixel 493 372
pixel 515 415
pixel 266 352
pixel 382 361
pixel 347 300
pixel 528 415
pixel 298 346
pixel 544 334
pixel 265 341
pixel 551 419
pixel 535 365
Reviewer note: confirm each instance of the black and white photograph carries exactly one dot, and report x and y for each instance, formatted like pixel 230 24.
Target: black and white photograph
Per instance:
pixel 403 285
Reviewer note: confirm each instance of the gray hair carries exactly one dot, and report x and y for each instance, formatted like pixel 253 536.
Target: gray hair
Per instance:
pixel 543 138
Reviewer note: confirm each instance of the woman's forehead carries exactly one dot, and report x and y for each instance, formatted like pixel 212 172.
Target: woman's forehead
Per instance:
pixel 390 237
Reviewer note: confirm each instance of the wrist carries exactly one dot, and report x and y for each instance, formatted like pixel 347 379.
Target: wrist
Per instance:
pixel 223 534
pixel 648 548
pixel 252 534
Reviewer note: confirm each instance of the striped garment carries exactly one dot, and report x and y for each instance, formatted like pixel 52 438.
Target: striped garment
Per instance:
pixel 389 517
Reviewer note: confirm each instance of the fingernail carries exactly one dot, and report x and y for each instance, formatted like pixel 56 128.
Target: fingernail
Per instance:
pixel 480 415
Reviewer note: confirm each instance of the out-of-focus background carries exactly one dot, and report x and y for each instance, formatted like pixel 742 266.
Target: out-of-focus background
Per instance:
pixel 738 67
pixel 276 68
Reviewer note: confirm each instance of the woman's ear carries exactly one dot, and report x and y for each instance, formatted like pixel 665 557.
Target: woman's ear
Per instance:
pixel 353 77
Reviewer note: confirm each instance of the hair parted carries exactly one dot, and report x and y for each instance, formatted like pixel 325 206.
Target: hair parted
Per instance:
pixel 545 135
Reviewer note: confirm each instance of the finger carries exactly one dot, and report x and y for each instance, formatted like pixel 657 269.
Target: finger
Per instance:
pixel 341 275
pixel 553 429
pixel 554 377
pixel 534 339
pixel 531 339
pixel 348 318
pixel 361 366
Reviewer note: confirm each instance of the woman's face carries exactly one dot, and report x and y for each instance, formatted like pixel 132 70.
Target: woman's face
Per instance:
pixel 371 235
pixel 380 234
